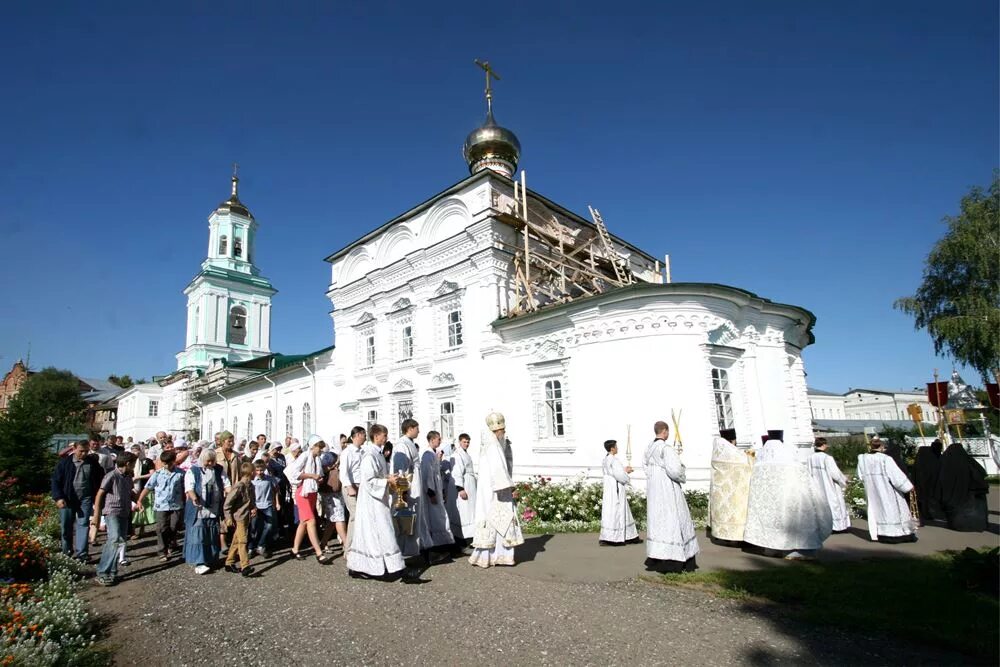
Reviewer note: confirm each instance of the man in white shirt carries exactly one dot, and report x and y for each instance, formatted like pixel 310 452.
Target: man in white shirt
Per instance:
pixel 350 465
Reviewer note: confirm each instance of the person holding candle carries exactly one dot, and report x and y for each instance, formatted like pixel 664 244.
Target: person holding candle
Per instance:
pixel 617 524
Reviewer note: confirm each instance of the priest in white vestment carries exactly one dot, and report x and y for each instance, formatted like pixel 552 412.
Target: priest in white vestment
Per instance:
pixel 729 493
pixel 833 483
pixel 374 551
pixel 405 460
pixel 464 473
pixel 787 512
pixel 617 524
pixel 671 544
pixel 435 530
pixel 497 529
pixel 887 491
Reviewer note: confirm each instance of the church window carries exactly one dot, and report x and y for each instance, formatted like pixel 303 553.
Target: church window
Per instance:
pixel 454 328
pixel 371 418
pixel 222 424
pixel 723 398
pixel 406 343
pixel 236 427
pixel 249 426
pixel 289 421
pixel 223 245
pixel 267 424
pixel 237 247
pixel 447 421
pixel 404 411
pixel 306 421
pixel 237 325
pixel 370 350
pixel 197 323
pixel 554 408
pixel 154 408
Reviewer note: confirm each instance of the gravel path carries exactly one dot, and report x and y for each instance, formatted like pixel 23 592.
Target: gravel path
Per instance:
pixel 294 612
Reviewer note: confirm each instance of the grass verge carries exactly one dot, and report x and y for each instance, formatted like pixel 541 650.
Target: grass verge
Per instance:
pixel 930 599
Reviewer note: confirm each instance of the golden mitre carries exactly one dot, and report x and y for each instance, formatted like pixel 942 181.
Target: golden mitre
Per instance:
pixel 495 421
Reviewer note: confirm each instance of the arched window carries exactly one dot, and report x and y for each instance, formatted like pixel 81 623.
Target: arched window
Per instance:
pixel 267 425
pixel 289 421
pixel 448 421
pixel 237 246
pixel 222 424
pixel 236 429
pixel 250 426
pixel 238 325
pixel 223 245
pixel 306 421
pixel 197 323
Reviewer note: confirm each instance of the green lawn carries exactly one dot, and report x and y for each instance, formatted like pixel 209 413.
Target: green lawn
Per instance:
pixel 926 599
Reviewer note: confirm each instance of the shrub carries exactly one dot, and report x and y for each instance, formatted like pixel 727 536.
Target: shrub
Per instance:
pixel 22 558
pixel 846 453
pixel 854 495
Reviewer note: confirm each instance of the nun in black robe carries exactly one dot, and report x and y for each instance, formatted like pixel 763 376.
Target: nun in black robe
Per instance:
pixel 963 490
pixel 926 480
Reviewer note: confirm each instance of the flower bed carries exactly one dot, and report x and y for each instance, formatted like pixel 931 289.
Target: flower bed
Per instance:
pixel 854 494
pixel 43 622
pixel 574 506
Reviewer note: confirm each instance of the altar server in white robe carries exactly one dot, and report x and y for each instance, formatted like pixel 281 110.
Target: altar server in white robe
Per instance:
pixel 827 474
pixel 445 456
pixel 405 459
pixel 374 551
pixel 787 514
pixel 435 530
pixel 464 473
pixel 887 491
pixel 617 524
pixel 729 492
pixel 497 529
pixel 671 544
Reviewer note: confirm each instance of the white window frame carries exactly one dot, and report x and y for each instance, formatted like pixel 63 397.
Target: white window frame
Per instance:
pixel 722 397
pixel 236 430
pixel 405 342
pixel 249 427
pixel 306 421
pixel 446 423
pixel 555 414
pixel 444 303
pixel 401 413
pixel 454 333
pixel 153 410
pixel 289 422
pixel 267 425
pixel 549 406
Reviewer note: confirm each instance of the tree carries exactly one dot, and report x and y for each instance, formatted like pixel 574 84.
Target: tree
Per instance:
pixel 123 381
pixel 49 402
pixel 958 301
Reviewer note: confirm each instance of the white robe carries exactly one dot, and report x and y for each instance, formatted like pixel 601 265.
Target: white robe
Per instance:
pixel 404 460
pixel 617 524
pixel 435 529
pixel 670 534
pixel 464 474
pixel 451 499
pixel 497 529
pixel 826 473
pixel 373 550
pixel 729 491
pixel 885 488
pixel 787 510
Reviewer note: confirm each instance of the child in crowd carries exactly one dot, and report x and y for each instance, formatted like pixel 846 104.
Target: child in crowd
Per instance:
pixel 239 509
pixel 267 504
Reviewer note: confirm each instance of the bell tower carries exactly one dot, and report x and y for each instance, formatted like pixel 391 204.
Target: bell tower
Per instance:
pixel 229 302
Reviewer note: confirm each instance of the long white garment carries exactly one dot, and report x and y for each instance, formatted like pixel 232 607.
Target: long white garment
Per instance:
pixel 617 524
pixel 497 529
pixel 787 510
pixel 826 473
pixel 373 550
pixel 451 499
pixel 885 488
pixel 729 493
pixel 670 534
pixel 435 526
pixel 404 460
pixel 464 474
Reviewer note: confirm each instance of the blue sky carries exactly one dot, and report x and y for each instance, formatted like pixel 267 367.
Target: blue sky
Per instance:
pixel 804 152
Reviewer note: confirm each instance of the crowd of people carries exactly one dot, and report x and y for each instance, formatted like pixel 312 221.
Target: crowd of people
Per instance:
pixel 376 503
pixel 391 508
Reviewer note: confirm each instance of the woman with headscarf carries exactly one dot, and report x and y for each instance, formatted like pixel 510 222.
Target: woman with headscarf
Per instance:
pixel 926 475
pixel 963 490
pixel 204 484
pixel 886 490
pixel 305 473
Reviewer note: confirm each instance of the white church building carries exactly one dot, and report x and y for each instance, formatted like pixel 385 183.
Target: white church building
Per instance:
pixel 487 297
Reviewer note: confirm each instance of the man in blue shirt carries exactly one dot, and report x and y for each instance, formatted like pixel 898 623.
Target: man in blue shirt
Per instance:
pixel 167 487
